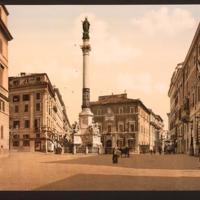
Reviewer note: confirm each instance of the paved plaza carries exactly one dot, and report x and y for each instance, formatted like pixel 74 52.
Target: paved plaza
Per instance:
pixel 38 171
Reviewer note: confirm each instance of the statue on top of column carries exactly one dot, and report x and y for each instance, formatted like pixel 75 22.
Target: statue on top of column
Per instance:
pixel 86 26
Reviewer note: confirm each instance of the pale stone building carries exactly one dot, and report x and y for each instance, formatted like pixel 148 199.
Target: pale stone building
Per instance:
pixel 38 119
pixel 184 93
pixel 155 131
pixel 5 37
pixel 122 122
pixel 176 106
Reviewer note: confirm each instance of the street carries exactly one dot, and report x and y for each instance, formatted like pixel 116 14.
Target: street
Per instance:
pixel 38 171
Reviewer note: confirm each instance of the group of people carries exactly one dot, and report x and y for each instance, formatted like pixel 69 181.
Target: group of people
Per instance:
pixel 119 152
pixel 153 151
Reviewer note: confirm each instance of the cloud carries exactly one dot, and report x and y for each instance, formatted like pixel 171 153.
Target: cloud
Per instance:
pixel 164 21
pixel 107 47
pixel 137 82
pixel 141 82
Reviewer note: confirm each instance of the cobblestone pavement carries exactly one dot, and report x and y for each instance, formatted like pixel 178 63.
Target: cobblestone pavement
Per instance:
pixel 38 171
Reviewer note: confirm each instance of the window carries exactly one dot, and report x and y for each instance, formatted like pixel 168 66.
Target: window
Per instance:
pixel 193 100
pixel 1 74
pixel 16 136
pixel 16 109
pixel 37 95
pixel 26 108
pixel 15 143
pixel 26 143
pixel 132 127
pixel 1 46
pixel 121 110
pixel 198 93
pixel 38 79
pixel 132 109
pixel 26 97
pixel 1 132
pixel 37 106
pixel 2 105
pixel 26 136
pixel 16 98
pixel 16 124
pixel 121 127
pixel 37 123
pixel 109 128
pixel 26 124
pixel 37 135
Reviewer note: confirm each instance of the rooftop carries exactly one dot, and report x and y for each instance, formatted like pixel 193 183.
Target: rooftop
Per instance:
pixel 117 98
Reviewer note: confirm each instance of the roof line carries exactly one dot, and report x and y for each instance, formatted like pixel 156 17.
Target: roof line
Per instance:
pixel 192 44
pixel 5 9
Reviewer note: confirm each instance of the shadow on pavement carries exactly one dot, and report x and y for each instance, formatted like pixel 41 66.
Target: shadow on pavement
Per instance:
pixel 117 182
pixel 138 161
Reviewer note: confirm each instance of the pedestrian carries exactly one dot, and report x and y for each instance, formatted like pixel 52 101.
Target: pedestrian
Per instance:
pixel 115 155
pixel 154 150
pixel 160 150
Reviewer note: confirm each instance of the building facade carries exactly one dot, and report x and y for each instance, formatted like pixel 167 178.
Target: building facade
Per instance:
pixel 155 131
pixel 38 119
pixel 122 122
pixel 184 93
pixel 5 37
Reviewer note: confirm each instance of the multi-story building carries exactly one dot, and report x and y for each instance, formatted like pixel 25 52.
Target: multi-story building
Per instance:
pixel 5 36
pixel 155 131
pixel 38 119
pixel 184 96
pixel 122 122
pixel 175 93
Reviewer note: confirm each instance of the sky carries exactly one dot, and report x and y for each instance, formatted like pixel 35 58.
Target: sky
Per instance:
pixel 135 48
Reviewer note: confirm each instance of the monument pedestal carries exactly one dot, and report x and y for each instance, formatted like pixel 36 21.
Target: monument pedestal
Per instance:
pixel 87 139
pixel 85 120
